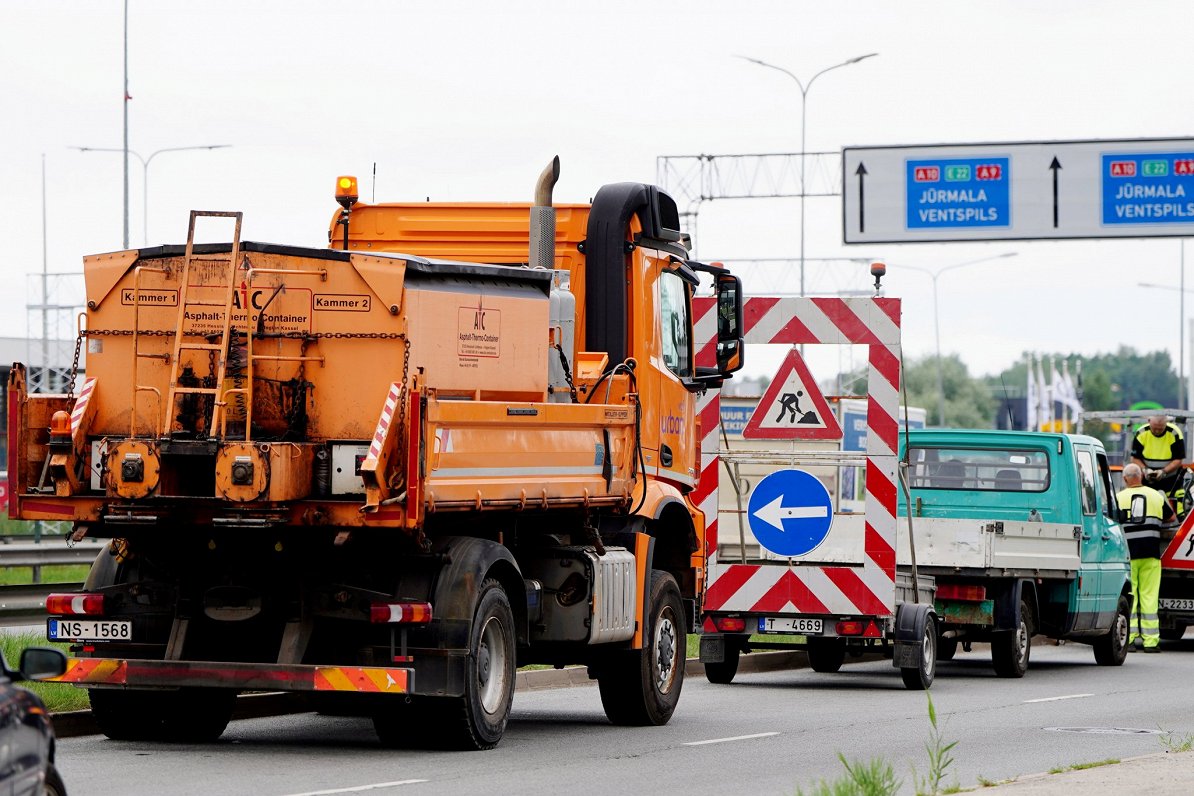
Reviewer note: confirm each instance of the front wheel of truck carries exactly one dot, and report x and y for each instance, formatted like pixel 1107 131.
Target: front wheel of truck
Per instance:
pixel 642 687
pixel 1010 649
pixel 1112 649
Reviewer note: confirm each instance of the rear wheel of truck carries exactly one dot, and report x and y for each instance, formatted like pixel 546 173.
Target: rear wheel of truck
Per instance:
pixel 642 687
pixel 1112 649
pixel 947 647
pixel 1175 633
pixel 476 720
pixel 826 654
pixel 723 673
pixel 1010 649
pixel 920 678
pixel 124 715
pixel 197 715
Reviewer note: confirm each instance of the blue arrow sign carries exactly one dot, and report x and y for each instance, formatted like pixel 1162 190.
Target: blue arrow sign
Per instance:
pixel 790 512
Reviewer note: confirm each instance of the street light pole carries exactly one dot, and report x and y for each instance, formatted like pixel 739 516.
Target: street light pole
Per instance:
pixel 144 178
pixel 937 320
pixel 804 89
pixel 126 124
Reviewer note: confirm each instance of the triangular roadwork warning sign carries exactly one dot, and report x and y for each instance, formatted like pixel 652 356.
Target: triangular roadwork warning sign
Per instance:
pixel 1180 553
pixel 793 407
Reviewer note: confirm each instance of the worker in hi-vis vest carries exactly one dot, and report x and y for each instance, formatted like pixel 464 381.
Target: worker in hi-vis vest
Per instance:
pixel 1144 510
pixel 1159 450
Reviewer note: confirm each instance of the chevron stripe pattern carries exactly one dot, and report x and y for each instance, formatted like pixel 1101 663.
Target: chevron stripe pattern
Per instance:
pixel 774 588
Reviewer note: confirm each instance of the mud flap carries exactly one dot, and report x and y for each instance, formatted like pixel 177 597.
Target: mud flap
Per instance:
pixel 713 648
pixel 910 623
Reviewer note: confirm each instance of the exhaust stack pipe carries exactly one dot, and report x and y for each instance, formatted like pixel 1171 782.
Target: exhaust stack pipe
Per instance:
pixel 543 219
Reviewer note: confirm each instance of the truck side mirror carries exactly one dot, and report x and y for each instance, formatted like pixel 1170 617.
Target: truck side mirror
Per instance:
pixel 730 343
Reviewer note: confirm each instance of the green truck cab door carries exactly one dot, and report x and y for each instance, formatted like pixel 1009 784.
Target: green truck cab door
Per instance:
pixel 1103 548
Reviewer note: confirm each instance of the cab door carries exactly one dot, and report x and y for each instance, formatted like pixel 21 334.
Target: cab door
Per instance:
pixel 674 405
pixel 1114 563
pixel 1089 585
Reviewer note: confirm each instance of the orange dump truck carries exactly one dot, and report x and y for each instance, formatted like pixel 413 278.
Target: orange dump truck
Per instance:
pixel 460 440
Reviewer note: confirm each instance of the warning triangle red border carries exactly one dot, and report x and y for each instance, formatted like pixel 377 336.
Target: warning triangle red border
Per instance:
pixel 793 362
pixel 1169 559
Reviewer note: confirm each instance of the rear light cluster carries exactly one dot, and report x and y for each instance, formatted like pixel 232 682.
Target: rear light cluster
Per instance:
pixel 75 604
pixel 400 613
pixel 958 591
pixel 858 627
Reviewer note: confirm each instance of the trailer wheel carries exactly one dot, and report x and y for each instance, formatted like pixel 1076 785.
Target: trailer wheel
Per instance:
pixel 920 677
pixel 478 719
pixel 1010 649
pixel 197 715
pixel 723 673
pixel 826 654
pixel 1112 649
pixel 642 687
pixel 125 715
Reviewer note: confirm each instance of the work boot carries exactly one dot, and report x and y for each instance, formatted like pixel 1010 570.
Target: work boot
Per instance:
pixel 1152 649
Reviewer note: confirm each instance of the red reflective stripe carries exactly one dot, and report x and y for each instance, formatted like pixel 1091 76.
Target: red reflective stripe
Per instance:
pixel 852 586
pixel 727 584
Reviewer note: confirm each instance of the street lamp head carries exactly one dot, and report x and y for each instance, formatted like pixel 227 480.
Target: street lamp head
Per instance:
pixel 861 58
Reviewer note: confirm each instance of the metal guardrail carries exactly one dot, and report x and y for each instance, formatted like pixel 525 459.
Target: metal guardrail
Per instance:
pixel 25 605
pixel 25 554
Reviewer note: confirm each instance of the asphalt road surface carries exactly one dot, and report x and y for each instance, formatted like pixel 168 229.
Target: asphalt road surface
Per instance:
pixel 767 733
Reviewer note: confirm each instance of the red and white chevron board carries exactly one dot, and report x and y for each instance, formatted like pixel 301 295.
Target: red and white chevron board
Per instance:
pixel 80 409
pixel 869 589
pixel 383 423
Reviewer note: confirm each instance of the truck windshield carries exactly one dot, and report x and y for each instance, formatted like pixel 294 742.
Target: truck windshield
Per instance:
pixel 987 469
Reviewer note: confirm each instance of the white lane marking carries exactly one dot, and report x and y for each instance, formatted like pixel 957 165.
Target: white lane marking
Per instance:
pixel 1058 698
pixel 735 738
pixel 360 788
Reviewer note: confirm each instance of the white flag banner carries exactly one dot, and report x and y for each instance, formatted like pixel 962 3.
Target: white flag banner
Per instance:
pixel 1057 395
pixel 1031 402
pixel 1044 398
pixel 1069 391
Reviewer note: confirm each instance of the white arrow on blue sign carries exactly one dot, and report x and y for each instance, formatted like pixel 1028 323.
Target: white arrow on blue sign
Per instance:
pixel 790 512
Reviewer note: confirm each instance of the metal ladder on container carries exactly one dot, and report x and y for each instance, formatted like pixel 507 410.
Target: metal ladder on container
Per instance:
pixel 220 349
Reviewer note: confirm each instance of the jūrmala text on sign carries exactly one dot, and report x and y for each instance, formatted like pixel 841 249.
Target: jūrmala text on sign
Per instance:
pixel 970 192
pixel 1151 188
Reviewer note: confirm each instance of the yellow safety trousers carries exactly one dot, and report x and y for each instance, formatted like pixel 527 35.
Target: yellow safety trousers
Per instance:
pixel 1146 586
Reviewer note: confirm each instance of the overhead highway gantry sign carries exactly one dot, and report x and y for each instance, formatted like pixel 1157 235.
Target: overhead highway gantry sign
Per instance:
pixel 1018 191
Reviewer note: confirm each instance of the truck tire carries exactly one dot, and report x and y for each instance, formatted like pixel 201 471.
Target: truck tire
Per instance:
pixel 125 715
pixel 947 647
pixel 1010 649
pixel 826 654
pixel 1112 649
pixel 476 720
pixel 1175 633
pixel 197 715
pixel 920 678
pixel 723 673
pixel 642 687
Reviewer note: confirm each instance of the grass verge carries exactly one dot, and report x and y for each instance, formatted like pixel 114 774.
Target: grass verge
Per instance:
pixel 59 697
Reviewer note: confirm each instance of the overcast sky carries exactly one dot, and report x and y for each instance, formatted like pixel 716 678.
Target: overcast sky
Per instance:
pixel 468 101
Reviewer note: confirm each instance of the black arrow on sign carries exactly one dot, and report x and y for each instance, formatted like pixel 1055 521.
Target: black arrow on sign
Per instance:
pixel 861 172
pixel 1055 167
